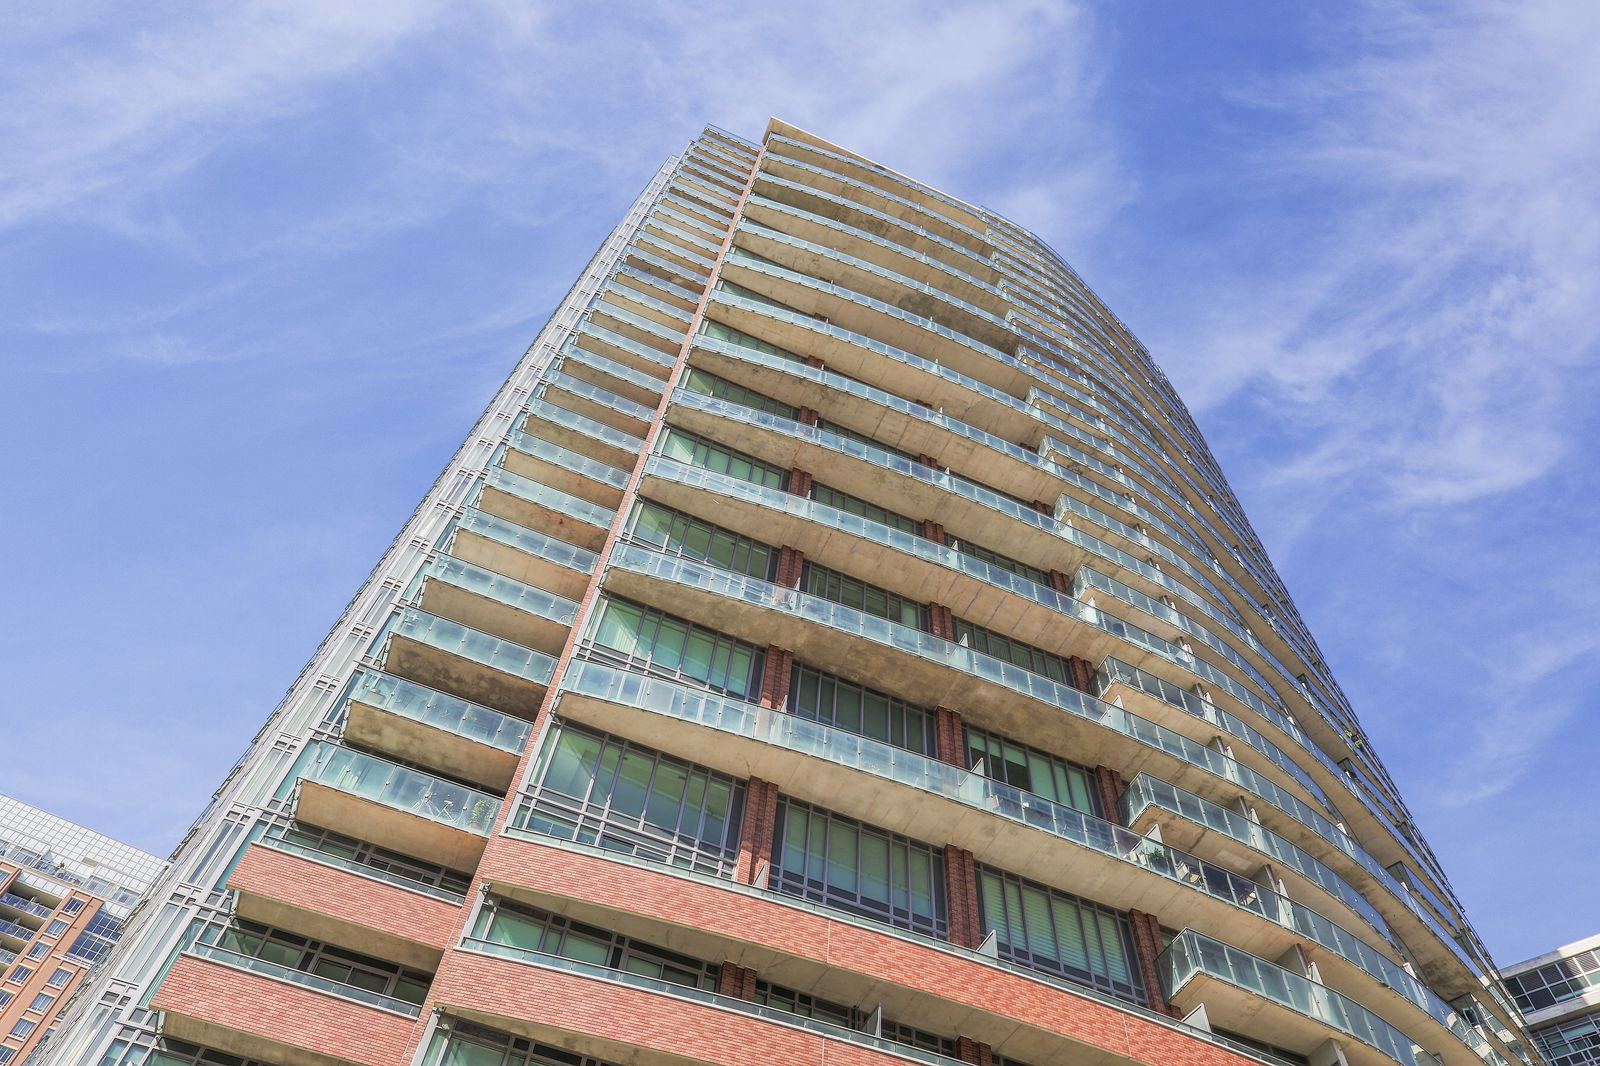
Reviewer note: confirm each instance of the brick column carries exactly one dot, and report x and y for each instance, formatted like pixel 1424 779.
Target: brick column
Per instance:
pixel 756 832
pixel 1146 946
pixel 933 531
pixel 736 981
pixel 1109 784
pixel 974 1051
pixel 941 623
pixel 1061 582
pixel 1043 508
pixel 961 896
pixel 928 461
pixel 950 737
pixel 813 361
pixel 806 416
pixel 799 482
pixel 776 673
pixel 790 565
pixel 1082 674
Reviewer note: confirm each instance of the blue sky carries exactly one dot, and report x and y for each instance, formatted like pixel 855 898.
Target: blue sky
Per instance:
pixel 262 264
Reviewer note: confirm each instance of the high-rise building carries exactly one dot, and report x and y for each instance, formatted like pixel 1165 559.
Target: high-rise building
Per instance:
pixel 1559 996
pixel 65 892
pixel 835 643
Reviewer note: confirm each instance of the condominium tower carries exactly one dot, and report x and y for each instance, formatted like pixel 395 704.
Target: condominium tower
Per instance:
pixel 1559 996
pixel 835 643
pixel 65 892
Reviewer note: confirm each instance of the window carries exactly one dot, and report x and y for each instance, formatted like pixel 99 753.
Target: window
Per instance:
pixel 1034 771
pixel 839 862
pixel 23 1027
pixel 808 1006
pixel 628 634
pixel 550 934
pixel 746 340
pixel 857 709
pixel 324 960
pixel 176 1053
pixel 843 501
pixel 39 950
pixel 708 384
pixel 606 791
pixel 1004 562
pixel 1052 931
pixel 6 1055
pixel 853 592
pixel 1015 652
pixel 20 974
pixel 6 997
pixel 74 905
pixel 468 1044
pixel 339 846
pixel 682 534
pixel 59 979
pixel 697 451
pixel 55 928
pixel 41 1002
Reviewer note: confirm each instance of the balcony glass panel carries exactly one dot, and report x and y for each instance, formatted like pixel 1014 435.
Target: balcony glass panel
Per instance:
pixel 440 710
pixel 457 639
pixel 400 787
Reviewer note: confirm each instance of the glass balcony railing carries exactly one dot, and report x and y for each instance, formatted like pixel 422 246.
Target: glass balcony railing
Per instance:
pixel 1145 791
pixel 12 929
pixel 572 354
pixel 400 787
pixel 567 459
pixel 1191 954
pixel 930 775
pixel 525 488
pixel 339 862
pixel 440 710
pixel 7 957
pixel 552 412
pixel 995 671
pixel 484 582
pixel 305 980
pixel 627 344
pixel 27 906
pixel 650 240
pixel 631 274
pixel 504 531
pixel 555 379
pixel 472 644
pixel 699 995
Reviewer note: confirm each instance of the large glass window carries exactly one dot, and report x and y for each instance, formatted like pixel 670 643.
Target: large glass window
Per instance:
pixel 1004 562
pixel 746 340
pixel 338 846
pixel 843 501
pixel 839 862
pixel 866 712
pixel 697 451
pixel 853 592
pixel 683 534
pixel 177 1053
pixel 324 960
pixel 629 634
pixel 1555 982
pixel 861 438
pixel 551 934
pixel 709 384
pixel 605 791
pixel 466 1044
pixel 1034 771
pixel 1042 928
pixel 808 1006
pixel 1003 647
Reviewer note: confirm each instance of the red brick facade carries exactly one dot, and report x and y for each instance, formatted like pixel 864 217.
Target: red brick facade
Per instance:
pixel 1082 673
pixel 791 564
pixel 941 623
pixel 933 531
pixel 961 897
pixel 950 736
pixel 1110 786
pixel 776 672
pixel 799 482
pixel 736 981
pixel 1146 946
pixel 756 832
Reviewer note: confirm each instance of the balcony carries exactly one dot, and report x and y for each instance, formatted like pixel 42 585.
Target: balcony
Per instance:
pixel 395 807
pixel 507 548
pixel 13 902
pixel 563 468
pixel 345 903
pixel 1024 1013
pixel 424 726
pixel 493 603
pixel 601 405
pixel 1271 1003
pixel 446 655
pixel 546 510
pixel 256 1009
pixel 615 377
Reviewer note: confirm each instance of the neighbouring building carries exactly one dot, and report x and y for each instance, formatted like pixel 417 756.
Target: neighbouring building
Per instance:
pixel 834 643
pixel 65 892
pixel 1559 996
